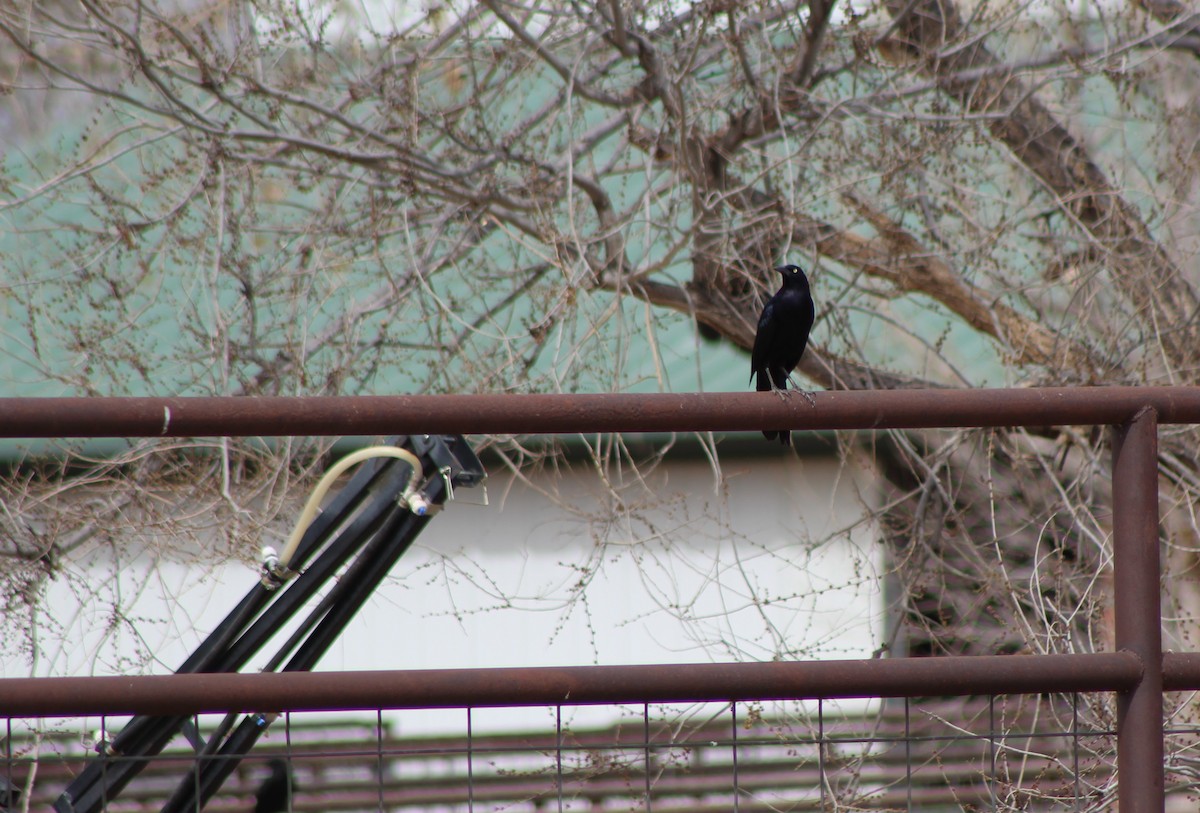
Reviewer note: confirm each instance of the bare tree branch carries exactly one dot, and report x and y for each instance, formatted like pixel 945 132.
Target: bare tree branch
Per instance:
pixel 1142 270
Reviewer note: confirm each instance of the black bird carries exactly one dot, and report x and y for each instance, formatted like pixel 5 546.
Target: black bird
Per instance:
pixel 275 793
pixel 782 336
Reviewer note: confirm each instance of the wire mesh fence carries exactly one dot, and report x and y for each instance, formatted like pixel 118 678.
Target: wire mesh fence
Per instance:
pixel 996 753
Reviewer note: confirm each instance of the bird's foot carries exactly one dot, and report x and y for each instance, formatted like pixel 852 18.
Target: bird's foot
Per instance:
pixel 802 391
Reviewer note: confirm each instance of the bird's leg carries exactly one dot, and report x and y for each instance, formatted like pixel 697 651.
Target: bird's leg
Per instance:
pixel 807 397
pixel 783 394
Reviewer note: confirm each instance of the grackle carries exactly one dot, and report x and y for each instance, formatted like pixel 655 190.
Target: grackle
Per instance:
pixel 781 338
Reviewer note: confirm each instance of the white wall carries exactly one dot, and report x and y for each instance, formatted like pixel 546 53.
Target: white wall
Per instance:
pixel 739 573
pixel 769 563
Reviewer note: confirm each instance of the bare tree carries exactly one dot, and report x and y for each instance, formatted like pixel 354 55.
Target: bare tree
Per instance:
pixel 512 196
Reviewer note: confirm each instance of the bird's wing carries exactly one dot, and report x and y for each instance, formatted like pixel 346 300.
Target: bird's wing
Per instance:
pixel 809 311
pixel 805 316
pixel 767 328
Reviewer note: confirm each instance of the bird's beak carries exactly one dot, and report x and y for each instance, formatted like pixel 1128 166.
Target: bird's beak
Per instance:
pixel 782 269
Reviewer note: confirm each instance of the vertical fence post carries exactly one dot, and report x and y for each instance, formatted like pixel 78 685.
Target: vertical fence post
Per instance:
pixel 1137 607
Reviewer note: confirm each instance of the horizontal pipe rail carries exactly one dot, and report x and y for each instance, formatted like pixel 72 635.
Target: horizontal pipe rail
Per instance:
pixel 579 685
pixel 550 414
pixel 1181 671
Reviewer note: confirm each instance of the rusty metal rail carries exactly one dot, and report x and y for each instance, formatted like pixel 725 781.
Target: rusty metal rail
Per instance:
pixel 578 685
pixel 1138 672
pixel 550 414
pixel 1137 602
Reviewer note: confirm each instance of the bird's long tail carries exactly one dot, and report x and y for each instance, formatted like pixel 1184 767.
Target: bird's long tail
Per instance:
pixel 784 435
pixel 763 383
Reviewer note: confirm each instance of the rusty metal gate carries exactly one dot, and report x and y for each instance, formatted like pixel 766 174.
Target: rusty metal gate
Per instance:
pixel 1136 674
